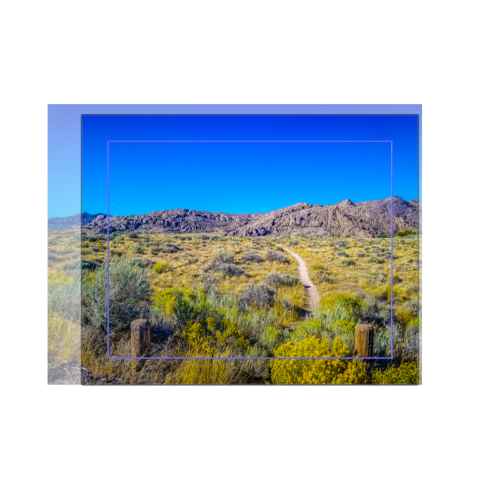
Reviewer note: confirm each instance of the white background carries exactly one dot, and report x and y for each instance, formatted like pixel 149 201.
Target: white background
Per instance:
pixel 439 440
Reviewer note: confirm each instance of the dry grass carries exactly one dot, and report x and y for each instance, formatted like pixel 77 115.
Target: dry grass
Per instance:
pixel 328 273
pixel 185 267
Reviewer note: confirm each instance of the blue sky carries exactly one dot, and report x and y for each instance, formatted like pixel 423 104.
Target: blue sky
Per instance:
pixel 244 177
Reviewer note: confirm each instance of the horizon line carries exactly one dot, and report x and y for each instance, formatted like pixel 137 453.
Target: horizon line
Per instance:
pixel 235 213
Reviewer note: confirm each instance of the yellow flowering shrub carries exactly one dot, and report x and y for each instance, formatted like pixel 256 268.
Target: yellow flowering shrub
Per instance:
pixel 159 268
pixel 316 371
pixel 404 374
pixel 210 336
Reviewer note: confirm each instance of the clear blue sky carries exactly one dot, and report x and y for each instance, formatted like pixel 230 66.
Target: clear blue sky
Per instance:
pixel 244 177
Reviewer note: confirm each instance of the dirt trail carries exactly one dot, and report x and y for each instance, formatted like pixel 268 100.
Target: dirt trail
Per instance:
pixel 312 292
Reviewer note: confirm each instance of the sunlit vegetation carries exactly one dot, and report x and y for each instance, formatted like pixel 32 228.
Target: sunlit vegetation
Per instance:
pixel 211 296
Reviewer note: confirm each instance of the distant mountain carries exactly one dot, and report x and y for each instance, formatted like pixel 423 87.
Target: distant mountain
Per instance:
pixel 171 221
pixel 365 219
pixel 73 220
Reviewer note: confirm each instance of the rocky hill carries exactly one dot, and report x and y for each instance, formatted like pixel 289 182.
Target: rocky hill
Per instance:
pixel 365 219
pixel 167 221
pixel 73 220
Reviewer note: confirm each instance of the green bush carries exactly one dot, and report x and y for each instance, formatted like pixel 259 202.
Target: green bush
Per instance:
pixel 128 286
pixel 407 232
pixel 154 250
pixel 159 268
pixel 348 262
pixel 258 296
pixel 137 248
pixel 223 257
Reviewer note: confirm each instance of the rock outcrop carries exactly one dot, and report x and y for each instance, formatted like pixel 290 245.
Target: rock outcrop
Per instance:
pixel 365 219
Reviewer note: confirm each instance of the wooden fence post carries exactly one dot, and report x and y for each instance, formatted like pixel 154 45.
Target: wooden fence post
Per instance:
pixel 363 346
pixel 140 331
pixel 363 341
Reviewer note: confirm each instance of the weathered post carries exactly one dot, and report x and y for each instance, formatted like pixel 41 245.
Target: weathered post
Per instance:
pixel 140 330
pixel 363 341
pixel 363 346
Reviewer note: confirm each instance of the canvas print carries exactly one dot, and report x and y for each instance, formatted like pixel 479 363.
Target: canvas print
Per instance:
pixel 241 249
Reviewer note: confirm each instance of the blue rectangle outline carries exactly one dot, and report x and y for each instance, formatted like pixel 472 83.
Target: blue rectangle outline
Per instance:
pixel 256 141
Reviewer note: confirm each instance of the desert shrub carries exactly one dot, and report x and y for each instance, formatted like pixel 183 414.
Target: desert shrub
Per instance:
pixel 407 232
pixel 95 249
pixel 223 257
pixel 375 312
pixel 251 257
pixel 84 265
pixel 154 250
pixel 273 279
pixel 119 238
pixel 310 328
pixel 405 374
pixel 342 244
pixel 374 259
pixel 316 371
pixel 258 296
pixel 342 253
pixel 215 334
pixel 229 270
pixel 396 279
pixel 338 316
pixel 159 268
pixel 271 338
pixel 289 280
pixel 377 250
pixel 407 312
pixel 276 257
pixel 294 243
pixel 137 262
pixel 137 248
pixel 203 237
pixel 209 283
pixel 169 248
pixel 183 306
pixel 361 255
pixel 128 286
pixel 348 262
pixel 133 235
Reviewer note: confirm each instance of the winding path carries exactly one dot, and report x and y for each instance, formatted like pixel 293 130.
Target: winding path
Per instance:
pixel 312 291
